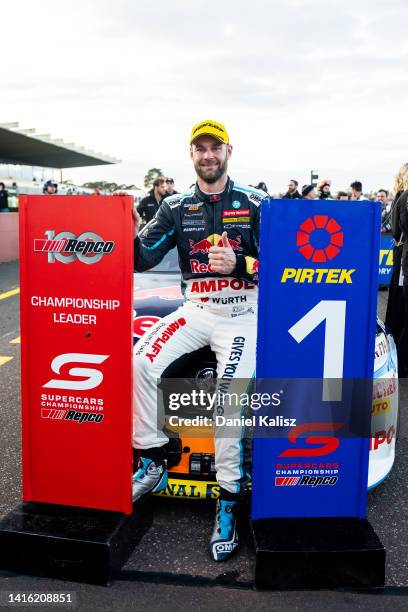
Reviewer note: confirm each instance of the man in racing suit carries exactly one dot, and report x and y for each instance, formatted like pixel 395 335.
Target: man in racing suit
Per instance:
pixel 215 227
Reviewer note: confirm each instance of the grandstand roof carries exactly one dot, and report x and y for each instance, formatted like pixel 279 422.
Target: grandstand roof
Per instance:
pixel 25 147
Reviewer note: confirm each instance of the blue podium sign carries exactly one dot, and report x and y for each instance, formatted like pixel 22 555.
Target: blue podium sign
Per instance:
pixel 316 321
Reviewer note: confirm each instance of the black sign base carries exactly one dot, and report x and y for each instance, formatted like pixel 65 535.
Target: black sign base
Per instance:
pixel 317 553
pixel 70 543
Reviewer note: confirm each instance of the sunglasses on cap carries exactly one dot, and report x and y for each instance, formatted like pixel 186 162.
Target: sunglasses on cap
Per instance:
pixel 169 180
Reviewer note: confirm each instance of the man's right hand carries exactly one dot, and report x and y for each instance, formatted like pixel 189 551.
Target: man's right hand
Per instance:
pixel 136 222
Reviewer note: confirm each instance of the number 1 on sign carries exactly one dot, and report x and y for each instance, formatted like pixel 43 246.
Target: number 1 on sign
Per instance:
pixel 333 312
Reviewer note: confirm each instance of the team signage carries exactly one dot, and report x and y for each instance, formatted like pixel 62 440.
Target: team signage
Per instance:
pixel 386 259
pixel 76 342
pixel 316 337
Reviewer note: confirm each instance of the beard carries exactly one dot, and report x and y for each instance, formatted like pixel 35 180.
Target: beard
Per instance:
pixel 211 175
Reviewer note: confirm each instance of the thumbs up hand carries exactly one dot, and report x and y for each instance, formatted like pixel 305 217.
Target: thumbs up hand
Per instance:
pixel 225 241
pixel 222 259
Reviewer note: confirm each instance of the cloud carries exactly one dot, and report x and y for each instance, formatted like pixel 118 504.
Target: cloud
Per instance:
pixel 299 83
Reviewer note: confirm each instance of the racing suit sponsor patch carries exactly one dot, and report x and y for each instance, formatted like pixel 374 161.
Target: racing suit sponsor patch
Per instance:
pixel 252 265
pixel 199 268
pixel 218 284
pixel 233 299
pixel 255 197
pixel 236 220
pixel 166 335
pixel 236 213
pixel 237 348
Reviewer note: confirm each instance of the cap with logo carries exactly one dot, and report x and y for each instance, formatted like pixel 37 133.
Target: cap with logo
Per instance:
pixel 209 128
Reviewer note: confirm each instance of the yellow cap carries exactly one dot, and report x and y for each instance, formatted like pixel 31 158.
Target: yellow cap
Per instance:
pixel 209 128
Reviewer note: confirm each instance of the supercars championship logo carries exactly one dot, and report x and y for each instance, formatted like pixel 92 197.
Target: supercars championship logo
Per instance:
pixel 319 239
pixel 73 406
pixel 307 465
pixel 65 247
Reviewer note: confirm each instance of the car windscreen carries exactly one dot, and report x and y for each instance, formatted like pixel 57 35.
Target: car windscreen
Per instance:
pixel 169 263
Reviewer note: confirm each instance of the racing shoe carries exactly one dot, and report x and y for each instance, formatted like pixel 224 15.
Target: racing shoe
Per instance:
pixel 150 477
pixel 224 539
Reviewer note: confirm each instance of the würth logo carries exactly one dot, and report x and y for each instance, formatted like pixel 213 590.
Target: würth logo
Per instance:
pixel 319 238
pixel 65 247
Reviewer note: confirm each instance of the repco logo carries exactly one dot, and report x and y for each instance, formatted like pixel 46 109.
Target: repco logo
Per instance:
pixel 89 248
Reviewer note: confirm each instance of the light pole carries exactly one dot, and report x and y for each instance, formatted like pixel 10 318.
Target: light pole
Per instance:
pixel 314 177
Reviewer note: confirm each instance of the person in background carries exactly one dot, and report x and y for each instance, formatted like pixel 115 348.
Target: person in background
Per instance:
pixel 149 206
pixel 262 186
pixel 382 196
pixel 3 197
pixel 396 317
pixel 292 192
pixel 357 192
pixel 170 191
pixel 308 192
pixel 342 195
pixel 324 190
pixel 50 187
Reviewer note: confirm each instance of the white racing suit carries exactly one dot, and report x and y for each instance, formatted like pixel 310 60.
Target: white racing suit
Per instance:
pixel 220 311
pixel 232 337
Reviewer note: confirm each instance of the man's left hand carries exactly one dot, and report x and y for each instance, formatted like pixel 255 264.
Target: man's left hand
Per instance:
pixel 222 258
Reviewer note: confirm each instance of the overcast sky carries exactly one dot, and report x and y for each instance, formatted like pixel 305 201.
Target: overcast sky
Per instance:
pixel 299 84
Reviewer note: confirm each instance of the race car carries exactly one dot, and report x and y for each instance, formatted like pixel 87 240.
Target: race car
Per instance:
pixel 191 463
pixel 384 412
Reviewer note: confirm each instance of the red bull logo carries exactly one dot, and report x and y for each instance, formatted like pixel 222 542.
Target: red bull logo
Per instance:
pixel 204 245
pixel 319 238
pixel 198 267
pixel 235 244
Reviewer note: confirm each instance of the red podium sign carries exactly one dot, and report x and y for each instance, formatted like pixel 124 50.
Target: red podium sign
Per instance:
pixel 76 257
